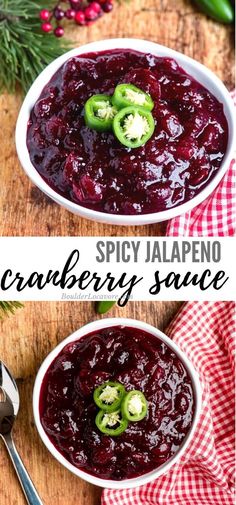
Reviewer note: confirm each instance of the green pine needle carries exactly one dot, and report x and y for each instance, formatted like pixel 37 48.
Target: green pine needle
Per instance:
pixel 24 49
pixel 7 308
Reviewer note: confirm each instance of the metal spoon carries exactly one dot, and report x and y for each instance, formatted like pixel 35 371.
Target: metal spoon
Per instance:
pixel 9 406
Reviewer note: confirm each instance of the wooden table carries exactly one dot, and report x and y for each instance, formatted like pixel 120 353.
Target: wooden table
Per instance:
pixel 174 23
pixel 25 340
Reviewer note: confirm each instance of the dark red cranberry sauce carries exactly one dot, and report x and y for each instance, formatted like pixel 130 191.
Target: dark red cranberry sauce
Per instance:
pixel 94 169
pixel 139 361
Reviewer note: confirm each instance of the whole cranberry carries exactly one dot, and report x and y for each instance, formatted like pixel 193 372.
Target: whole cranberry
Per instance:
pixel 95 6
pixel 59 31
pixel 79 458
pixel 58 13
pixel 90 13
pixel 44 15
pixel 42 107
pixel 55 128
pixel 107 6
pixel 46 27
pixel 75 4
pixel 80 18
pixel 70 13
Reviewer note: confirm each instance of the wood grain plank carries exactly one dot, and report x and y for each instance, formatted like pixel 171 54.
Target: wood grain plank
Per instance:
pixel 24 210
pixel 25 340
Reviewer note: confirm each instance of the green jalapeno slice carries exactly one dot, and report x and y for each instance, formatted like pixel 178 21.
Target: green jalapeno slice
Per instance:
pixel 133 126
pixel 134 406
pixel 99 113
pixel 221 10
pixel 128 94
pixel 108 396
pixel 111 423
pixel 103 307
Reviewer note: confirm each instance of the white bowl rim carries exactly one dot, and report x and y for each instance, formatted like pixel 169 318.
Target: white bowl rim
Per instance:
pixel 85 330
pixel 146 47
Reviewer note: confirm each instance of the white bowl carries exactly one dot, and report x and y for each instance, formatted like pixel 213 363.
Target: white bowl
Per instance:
pixel 85 330
pixel 195 69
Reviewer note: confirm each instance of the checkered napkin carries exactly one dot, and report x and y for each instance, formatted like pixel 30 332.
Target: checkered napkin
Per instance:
pixel 204 474
pixel 215 216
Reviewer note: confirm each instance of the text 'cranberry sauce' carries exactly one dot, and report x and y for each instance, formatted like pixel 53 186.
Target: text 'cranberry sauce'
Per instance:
pixel 93 169
pixel 138 360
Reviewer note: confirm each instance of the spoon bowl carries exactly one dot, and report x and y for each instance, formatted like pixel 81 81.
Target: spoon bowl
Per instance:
pixel 9 407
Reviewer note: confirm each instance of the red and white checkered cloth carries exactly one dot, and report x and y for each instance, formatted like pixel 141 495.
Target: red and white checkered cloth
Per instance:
pixel 205 473
pixel 215 216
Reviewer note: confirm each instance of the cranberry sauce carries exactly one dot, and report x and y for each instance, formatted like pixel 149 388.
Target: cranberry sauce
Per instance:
pixel 138 361
pixel 96 171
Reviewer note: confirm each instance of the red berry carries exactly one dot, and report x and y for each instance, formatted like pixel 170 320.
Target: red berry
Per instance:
pixel 59 31
pixel 46 27
pixel 90 13
pixel 44 15
pixel 107 6
pixel 70 13
pixel 58 13
pixel 80 18
pixel 95 6
pixel 75 4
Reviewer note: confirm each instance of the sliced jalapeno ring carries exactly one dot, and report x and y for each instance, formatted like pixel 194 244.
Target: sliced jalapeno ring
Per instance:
pixel 133 126
pixel 111 423
pixel 99 113
pixel 134 406
pixel 128 94
pixel 108 396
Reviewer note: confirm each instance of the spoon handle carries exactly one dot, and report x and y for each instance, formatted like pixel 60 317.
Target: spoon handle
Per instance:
pixel 29 490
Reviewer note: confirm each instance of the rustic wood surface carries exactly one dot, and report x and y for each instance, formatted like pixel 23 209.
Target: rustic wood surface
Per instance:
pixel 25 340
pixel 174 23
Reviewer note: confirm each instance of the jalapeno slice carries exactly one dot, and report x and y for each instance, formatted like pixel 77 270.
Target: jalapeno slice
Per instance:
pixel 99 113
pixel 133 126
pixel 108 396
pixel 134 406
pixel 128 94
pixel 221 10
pixel 103 307
pixel 111 423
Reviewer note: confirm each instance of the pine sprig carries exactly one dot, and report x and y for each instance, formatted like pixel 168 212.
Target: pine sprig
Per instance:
pixel 7 308
pixel 24 49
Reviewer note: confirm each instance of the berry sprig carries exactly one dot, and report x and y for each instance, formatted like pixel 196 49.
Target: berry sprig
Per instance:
pixel 24 49
pixel 82 12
